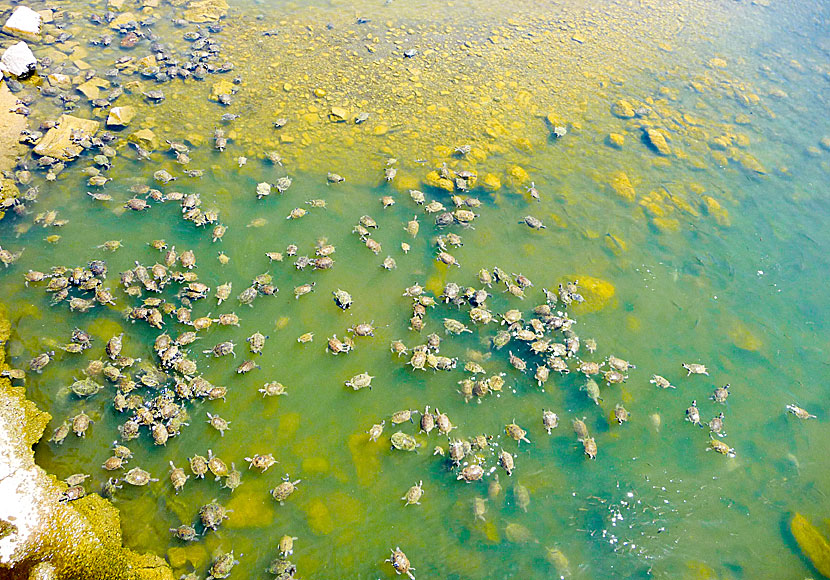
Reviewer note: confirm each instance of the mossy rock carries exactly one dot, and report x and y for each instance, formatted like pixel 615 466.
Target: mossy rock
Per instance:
pixel 812 543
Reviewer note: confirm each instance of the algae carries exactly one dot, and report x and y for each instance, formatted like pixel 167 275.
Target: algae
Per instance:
pixel 812 543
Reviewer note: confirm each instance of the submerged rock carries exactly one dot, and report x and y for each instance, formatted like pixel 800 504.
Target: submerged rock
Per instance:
pixel 657 140
pixel 206 10
pixel 120 116
pixel 58 141
pixel 812 543
pixel 18 60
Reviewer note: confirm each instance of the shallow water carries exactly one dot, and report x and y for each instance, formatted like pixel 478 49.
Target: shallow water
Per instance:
pixel 718 258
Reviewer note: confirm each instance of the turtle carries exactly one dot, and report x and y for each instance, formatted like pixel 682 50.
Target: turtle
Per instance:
pixel 532 222
pixel 86 387
pixel 589 445
pixel 177 477
pixel 403 442
pixel 184 533
pixel 591 388
pixel 256 342
pixel 619 364
pixel 305 337
pixel 799 412
pixel 342 298
pixel 113 463
pixel 400 562
pixel 402 416
pixel 550 420
pixel 471 473
pixel 80 424
pixel 414 494
pixel 40 361
pixel 282 569
pixel 218 423
pixel 453 326
pixel 695 369
pixel 360 381
pixel 661 382
pixel 273 389
pixel 516 433
pixel 620 413
pixel 442 421
pixel 692 414
pixel 261 461
pixel 522 496
pixel 212 515
pixel 506 461
pixel 614 377
pixel 720 394
pixel 418 360
pixel 284 489
pixel 581 429
pixel 720 447
pixel 541 375
pixel 362 329
pixel 427 423
pixel 216 466
pixel 716 424
pixel 518 363
pixel 376 430
pixel 303 289
pixel 138 477
pixel 246 367
pixel 221 349
pixel 286 545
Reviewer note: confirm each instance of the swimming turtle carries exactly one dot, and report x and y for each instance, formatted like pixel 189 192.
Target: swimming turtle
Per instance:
pixel 284 489
pixel 403 441
pixel 720 394
pixel 661 382
pixel 516 433
pixel 414 494
pixel 692 414
pixel 360 381
pixel 401 563
pixel 695 369
pixel 549 420
pixel 799 412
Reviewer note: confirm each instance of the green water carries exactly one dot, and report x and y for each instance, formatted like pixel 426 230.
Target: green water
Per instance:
pixel 743 294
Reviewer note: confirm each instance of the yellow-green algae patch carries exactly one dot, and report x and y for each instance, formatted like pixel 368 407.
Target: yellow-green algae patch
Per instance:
pixel 812 543
pixel 40 534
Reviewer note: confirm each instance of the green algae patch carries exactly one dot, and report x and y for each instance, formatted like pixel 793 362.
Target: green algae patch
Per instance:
pixel 812 543
pixel 621 185
pixel 743 338
pixel 597 293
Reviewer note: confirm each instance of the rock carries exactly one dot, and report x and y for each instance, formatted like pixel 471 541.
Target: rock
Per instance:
pixel 598 293
pixel 825 143
pixel 717 63
pixel 622 109
pixel 338 114
pixel 23 23
pixel 433 179
pixel 145 138
pixel 657 140
pixel 221 87
pixel 206 10
pixel 622 186
pixel 517 175
pixel 18 60
pixel 120 116
pixel 812 543
pixel 616 140
pixel 8 191
pixel 11 124
pixel 123 19
pixel 57 143
pixel 491 182
pixel 91 89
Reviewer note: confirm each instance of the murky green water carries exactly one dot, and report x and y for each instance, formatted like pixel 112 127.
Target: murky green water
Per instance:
pixel 738 285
